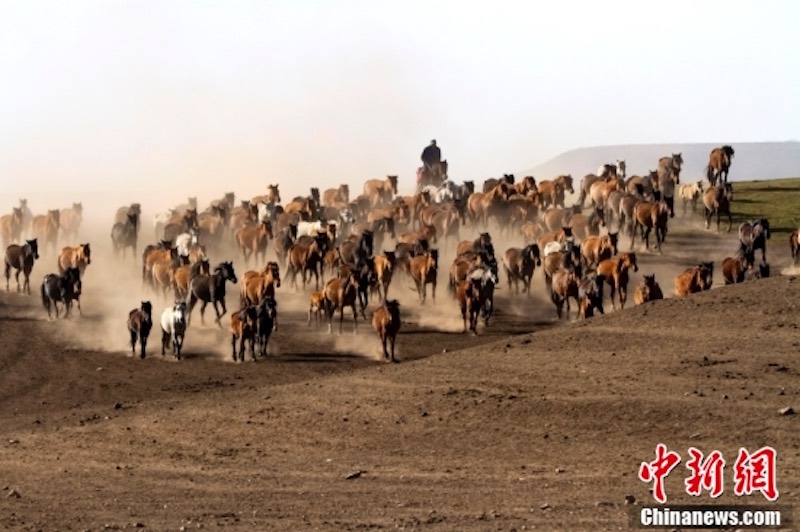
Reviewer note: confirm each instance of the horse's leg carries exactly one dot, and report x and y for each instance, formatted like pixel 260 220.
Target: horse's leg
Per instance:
pixel 355 320
pixel 134 334
pixel 233 347
pixel 16 278
pixel 433 291
pixel 203 312
pixel 165 337
pixel 341 318
pixel 613 284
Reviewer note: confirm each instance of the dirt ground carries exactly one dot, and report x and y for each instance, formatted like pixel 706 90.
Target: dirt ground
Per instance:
pixel 533 424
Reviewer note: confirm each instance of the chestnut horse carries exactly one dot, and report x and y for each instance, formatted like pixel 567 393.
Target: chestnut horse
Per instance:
pixel 381 191
pixel 78 256
pixel 717 200
pixel 719 162
pixel 647 290
pixel 386 322
pixel 46 227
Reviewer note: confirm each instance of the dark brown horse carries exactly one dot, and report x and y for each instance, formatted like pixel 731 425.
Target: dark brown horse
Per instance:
pixel 64 288
pixel 21 258
pixel 647 290
pixel 243 330
pixel 210 289
pixel 734 269
pixel 140 322
pixel 125 234
pixel 649 216
pixel 304 258
pixel 386 321
pixel 719 162
pixel 434 175
pixel 519 265
pixel 46 227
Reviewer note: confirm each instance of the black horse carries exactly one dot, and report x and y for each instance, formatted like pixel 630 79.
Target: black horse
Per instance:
pixel 64 288
pixel 140 322
pixel 754 235
pixel 210 289
pixel 266 318
pixel 125 235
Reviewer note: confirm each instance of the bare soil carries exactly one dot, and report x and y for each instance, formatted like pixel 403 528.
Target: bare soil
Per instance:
pixel 533 424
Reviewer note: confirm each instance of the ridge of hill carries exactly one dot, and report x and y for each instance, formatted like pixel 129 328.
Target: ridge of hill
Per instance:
pixel 752 160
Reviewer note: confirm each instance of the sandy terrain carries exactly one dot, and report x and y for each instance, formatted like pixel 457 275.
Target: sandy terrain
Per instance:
pixel 531 424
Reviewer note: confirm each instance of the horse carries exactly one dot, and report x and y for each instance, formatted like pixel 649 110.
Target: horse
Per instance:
pixel 273 195
pixel 719 162
pixel 519 265
pixel 366 279
pixel 266 323
pixel 468 296
pixel 717 200
pixel 11 226
pixel 386 322
pixel 45 228
pixel 424 269
pixel 243 329
pixel 140 322
pixel 78 256
pixel 258 284
pixel 253 241
pixel 481 244
pixel 316 306
pixel 62 288
pixel 184 274
pixel 284 241
pixel 380 190
pixel 332 196
pixel 690 193
pixel 647 216
pixel 174 322
pixel 552 192
pixel 794 246
pixel 487 275
pixel 181 224
pixel 615 272
pixel 303 258
pixel 492 182
pixel 71 221
pixel 434 174
pixel 647 290
pixel 590 295
pixel 384 270
pixel 595 249
pixel 163 270
pixel 754 235
pixel 125 234
pixel 694 279
pixel 565 285
pixel 210 289
pixel 340 293
pixel 734 269
pixel 27 215
pixel 669 176
pixel 21 258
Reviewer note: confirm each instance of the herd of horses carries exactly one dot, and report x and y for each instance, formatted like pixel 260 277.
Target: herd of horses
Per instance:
pixel 363 244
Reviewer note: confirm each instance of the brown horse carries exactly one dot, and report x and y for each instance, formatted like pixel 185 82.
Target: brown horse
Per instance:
pixel 590 296
pixel 303 258
pixel 253 240
pixel 316 306
pixel 386 322
pixel 154 253
pixel 125 234
pixel 552 191
pixel 384 271
pixel 647 290
pixel 595 249
pixel 210 289
pixel 45 228
pixel 243 330
pixel 694 279
pixel 519 265
pixel 648 216
pixel 257 284
pixel 424 269
pixel 183 275
pixel 11 226
pixel 468 296
pixel 340 293
pixel 273 195
pixel 78 256
pixel 794 247
pixel 717 200
pixel 21 258
pixel 719 162
pixel 333 196
pixel 565 285
pixel 163 271
pixel 381 191
pixel 71 221
pixel 615 272
pixel 734 269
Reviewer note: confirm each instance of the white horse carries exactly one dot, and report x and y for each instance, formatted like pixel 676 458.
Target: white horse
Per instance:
pixel 690 192
pixel 311 228
pixel 185 242
pixel 160 221
pixel 266 211
pixel 173 328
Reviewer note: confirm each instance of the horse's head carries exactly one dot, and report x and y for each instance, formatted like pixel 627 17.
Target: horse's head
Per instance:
pixel 146 308
pixel 179 313
pixel 33 248
pixel 275 273
pixel 86 252
pixel 765 224
pixel 23 203
pixel 54 215
pixel 392 182
pixel 275 195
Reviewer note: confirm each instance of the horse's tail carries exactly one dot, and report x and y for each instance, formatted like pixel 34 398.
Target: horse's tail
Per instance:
pixel 710 174
pixel 45 299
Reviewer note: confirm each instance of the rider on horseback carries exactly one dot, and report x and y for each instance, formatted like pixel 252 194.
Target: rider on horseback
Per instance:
pixel 431 164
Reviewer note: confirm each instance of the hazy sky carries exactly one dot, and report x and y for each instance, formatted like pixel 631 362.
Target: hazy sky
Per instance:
pixel 130 98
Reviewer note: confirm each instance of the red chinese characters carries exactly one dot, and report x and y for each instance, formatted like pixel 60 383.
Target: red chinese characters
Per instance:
pixel 705 474
pixel 657 470
pixel 756 472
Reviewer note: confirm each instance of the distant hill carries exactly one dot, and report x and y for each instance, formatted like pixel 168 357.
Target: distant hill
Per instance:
pixel 752 160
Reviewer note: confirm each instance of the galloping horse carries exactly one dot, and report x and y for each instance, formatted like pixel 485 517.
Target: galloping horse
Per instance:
pixel 21 258
pixel 381 190
pixel 11 226
pixel 46 228
pixel 552 192
pixel 210 289
pixel 434 175
pixel 690 193
pixel 719 162
pixel 71 221
pixel 173 328
pixel 669 175
pixel 717 200
pixel 126 234
pixel 754 235
pixel 386 321
pixel 140 322
pixel 62 288
pixel 78 256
